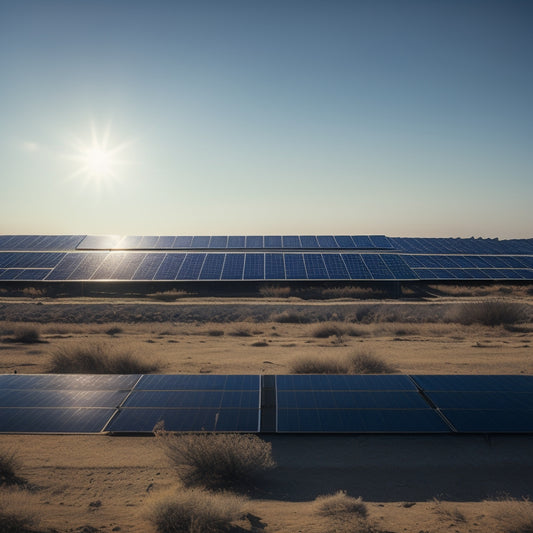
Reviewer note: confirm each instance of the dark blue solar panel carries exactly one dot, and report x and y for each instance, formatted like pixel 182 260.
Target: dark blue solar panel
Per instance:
pixel 216 399
pixel 66 266
pixel 274 266
pixel 380 241
pixel 397 266
pixel 198 382
pixel 515 262
pixel 314 264
pixel 149 266
pixel 377 267
pixel 490 421
pixel 236 241
pixel 60 398
pixel 6 258
pixel 331 399
pixel 429 261
pixel 502 383
pixel 335 266
pixel 218 241
pixel 478 262
pixel 233 267
pixel 362 241
pixel 327 241
pixel 170 266
pixel 128 266
pixel 294 266
pixel 148 242
pixel 481 400
pixel 356 267
pixel 88 265
pixel 212 267
pixel 463 262
pixel 315 382
pixel 309 241
pixel 191 266
pixel 200 241
pixel 109 265
pixel 130 242
pixel 165 242
pixel 461 273
pixel 442 273
pixel 360 421
pixel 196 420
pixel 69 381
pixel 477 273
pixel 53 420
pixel 446 261
pixel 345 242
pixel 525 273
pixel 32 274
pixel 424 273
pixel 254 266
pixel 12 273
pixel 493 273
pixel 254 241
pixel 183 241
pixel 291 241
pixel 497 262
pixel 272 241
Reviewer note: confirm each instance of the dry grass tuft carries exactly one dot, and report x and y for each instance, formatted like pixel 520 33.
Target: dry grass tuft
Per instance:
pixel 18 512
pixel 215 332
pixel 98 359
pixel 169 296
pixel 26 335
pixel 352 292
pixel 515 516
pixel 356 363
pixel 448 511
pixel 340 503
pixel 217 460
pixel 272 291
pixel 194 511
pixel 489 313
pixel 334 329
pixel 9 463
pixel 240 331
pixel 290 317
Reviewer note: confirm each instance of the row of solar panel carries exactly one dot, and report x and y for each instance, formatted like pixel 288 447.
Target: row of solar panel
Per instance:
pixel 40 242
pixel 304 403
pixel 463 246
pixel 139 266
pixel 167 242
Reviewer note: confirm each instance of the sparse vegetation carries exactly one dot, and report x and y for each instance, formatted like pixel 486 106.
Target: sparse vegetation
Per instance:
pixel 240 331
pixel 331 329
pixel 515 516
pixel 489 313
pixel 26 335
pixel 194 511
pixel 359 362
pixel 98 359
pixel 18 512
pixel 9 464
pixel 169 296
pixel 290 317
pixel 448 511
pixel 217 460
pixel 272 291
pixel 334 504
pixel 215 332
pixel 352 292
pixel 114 331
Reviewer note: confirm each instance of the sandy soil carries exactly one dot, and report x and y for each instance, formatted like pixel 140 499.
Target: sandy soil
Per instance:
pixel 414 484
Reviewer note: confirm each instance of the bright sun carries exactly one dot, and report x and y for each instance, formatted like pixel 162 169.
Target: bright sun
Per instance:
pixel 99 160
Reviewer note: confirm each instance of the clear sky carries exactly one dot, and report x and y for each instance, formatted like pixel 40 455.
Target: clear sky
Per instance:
pixel 396 117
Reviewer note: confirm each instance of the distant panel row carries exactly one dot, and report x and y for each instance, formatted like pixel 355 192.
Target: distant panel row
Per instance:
pixel 40 242
pixel 167 242
pixel 158 266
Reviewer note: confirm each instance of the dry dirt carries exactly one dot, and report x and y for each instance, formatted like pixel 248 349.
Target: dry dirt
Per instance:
pixel 413 484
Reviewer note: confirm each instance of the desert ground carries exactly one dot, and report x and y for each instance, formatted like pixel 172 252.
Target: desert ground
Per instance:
pixel 416 484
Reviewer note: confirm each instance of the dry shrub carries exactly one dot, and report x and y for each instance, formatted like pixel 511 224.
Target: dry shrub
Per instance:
pixel 448 511
pixel 217 460
pixel 215 332
pixel 97 359
pixel 356 363
pixel 169 296
pixel 272 291
pixel 515 516
pixel 9 463
pixel 240 331
pixel 351 292
pixel 334 504
pixel 18 512
pixel 194 511
pixel 290 317
pixel 331 329
pixel 489 313
pixel 26 335
pixel 33 292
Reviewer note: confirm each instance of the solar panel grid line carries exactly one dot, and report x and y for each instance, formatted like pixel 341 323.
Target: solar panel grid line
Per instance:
pixel 191 266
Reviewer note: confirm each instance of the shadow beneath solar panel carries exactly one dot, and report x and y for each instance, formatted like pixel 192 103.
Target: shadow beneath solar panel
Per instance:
pixel 400 468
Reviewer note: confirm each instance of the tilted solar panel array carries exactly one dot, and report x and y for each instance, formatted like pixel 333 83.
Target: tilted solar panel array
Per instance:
pixel 232 403
pixel 261 258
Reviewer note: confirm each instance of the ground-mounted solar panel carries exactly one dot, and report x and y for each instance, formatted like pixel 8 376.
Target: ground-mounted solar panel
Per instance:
pixel 335 266
pixel 487 400
pixel 236 241
pixel 200 241
pixel 345 242
pixel 149 266
pixel 233 267
pixel 165 242
pixel 128 266
pixel 88 266
pixel 89 382
pixel 61 398
pixel 170 266
pixel 11 273
pixel 525 273
pixel 294 266
pixel 315 267
pixel 66 266
pixel 490 421
pixel 186 420
pixel 182 241
pixel 377 266
pixel 309 241
pixel 362 241
pixel 327 241
pixel 274 266
pixel 181 399
pixel 254 241
pixel 212 266
pixel 272 241
pixel 131 242
pixel 397 266
pixel 218 241
pixel 381 241
pixel 291 241
pixel 33 274
pixel 360 421
pixel 54 420
pixel 254 266
pixel 191 267
pixel 148 242
pixel 368 382
pixel 473 383
pixel 198 382
pixel 356 266
pixel 108 266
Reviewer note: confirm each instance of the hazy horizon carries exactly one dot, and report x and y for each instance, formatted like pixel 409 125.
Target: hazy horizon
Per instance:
pixel 403 118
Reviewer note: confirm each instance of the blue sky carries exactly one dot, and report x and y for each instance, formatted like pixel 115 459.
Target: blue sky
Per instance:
pixel 398 117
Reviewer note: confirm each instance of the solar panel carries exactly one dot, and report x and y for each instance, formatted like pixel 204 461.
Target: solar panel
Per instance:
pixel 327 241
pixel 335 266
pixel 369 382
pixel 360 421
pixel 377 266
pixel 481 400
pixel 108 266
pixel 236 241
pixel 294 266
pixel 274 266
pixel 397 266
pixel 198 382
pixel 345 242
pixel 233 267
pixel 356 267
pixel 60 398
pixel 165 242
pixel 11 273
pixel 254 266
pixel 480 383
pixel 490 421
pixel 148 241
pixel 315 267
pixel 170 266
pixel 149 266
pixel 191 266
pixel 218 241
pixel 33 274
pixel 183 241
pixel 66 266
pixel 90 382
pixel 362 241
pixel 200 242
pixel 216 399
pixel 291 241
pixel 212 267
pixel 272 241
pixel 309 241
pixel 254 241
pixel 193 420
pixel 88 266
pixel 53 420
